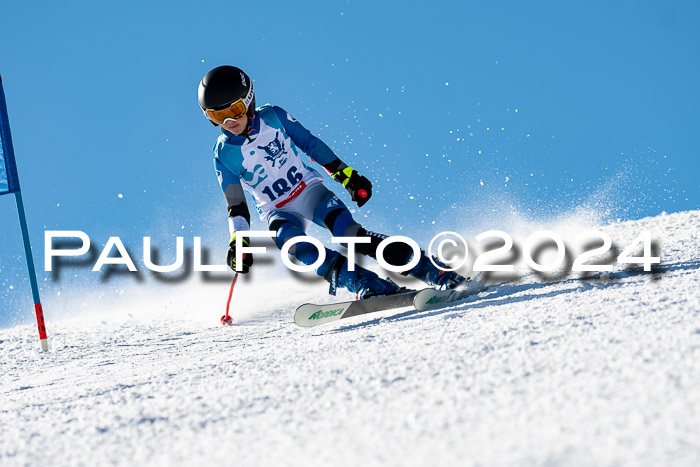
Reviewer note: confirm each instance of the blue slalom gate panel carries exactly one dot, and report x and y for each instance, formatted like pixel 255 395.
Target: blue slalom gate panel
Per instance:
pixel 4 186
pixel 9 182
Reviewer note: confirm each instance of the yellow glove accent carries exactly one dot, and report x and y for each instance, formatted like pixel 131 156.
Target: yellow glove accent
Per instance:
pixel 343 176
pixel 245 240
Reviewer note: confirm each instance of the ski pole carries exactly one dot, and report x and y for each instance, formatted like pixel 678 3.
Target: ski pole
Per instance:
pixel 226 320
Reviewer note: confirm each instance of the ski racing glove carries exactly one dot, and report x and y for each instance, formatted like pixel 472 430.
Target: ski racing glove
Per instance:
pixel 231 255
pixel 358 186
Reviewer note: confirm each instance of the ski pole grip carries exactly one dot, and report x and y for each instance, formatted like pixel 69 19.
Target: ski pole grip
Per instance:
pixel 362 193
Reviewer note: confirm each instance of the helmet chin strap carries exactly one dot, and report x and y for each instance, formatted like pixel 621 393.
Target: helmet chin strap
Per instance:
pixel 249 127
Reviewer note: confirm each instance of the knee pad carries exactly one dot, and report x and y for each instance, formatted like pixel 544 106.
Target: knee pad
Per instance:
pixel 396 254
pixel 341 224
pixel 284 230
pixel 305 252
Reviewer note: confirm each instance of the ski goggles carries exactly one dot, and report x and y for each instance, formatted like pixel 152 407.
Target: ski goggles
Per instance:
pixel 235 111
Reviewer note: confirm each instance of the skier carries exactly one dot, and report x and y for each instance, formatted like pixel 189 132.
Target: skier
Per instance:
pixel 259 151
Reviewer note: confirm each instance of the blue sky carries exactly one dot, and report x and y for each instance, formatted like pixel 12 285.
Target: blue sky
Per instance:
pixel 461 105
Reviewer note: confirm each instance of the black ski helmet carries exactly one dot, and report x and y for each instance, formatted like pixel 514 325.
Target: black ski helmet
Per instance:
pixel 223 86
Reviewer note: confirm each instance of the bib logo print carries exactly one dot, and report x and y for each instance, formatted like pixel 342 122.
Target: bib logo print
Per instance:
pixel 256 176
pixel 275 151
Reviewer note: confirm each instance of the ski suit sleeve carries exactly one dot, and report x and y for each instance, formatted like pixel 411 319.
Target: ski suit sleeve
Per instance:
pixel 238 214
pixel 317 150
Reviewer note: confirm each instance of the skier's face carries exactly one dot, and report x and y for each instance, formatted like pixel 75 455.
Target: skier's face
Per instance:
pixel 235 126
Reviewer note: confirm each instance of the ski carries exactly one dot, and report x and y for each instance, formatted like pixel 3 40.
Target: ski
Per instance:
pixel 309 315
pixel 430 299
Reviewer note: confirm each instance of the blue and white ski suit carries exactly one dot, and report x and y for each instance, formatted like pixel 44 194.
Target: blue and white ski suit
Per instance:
pixel 289 195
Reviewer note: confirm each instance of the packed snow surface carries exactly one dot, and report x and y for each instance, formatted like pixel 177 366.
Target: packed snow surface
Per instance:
pixel 597 370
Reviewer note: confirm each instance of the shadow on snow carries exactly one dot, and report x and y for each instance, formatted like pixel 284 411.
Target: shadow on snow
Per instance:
pixel 503 294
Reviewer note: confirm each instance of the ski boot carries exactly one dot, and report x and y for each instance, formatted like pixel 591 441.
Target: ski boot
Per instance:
pixel 426 271
pixel 372 286
pixel 364 283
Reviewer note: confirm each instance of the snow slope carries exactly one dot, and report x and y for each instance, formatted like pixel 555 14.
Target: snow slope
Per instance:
pixel 597 371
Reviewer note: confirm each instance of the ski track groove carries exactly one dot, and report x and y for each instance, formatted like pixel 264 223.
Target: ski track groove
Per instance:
pixel 585 371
